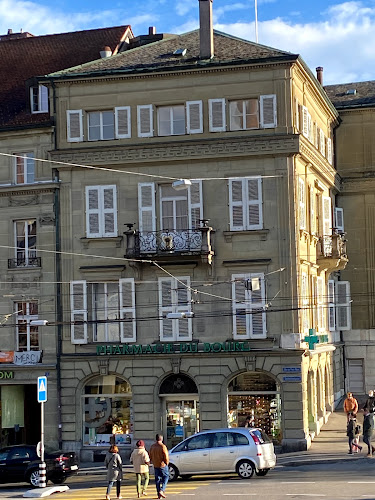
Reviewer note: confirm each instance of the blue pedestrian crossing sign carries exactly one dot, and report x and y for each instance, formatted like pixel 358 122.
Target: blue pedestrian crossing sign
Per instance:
pixel 42 389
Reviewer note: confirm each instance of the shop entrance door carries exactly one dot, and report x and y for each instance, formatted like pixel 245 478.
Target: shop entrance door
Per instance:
pixel 181 419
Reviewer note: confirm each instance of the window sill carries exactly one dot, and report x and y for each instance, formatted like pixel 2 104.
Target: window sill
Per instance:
pixel 262 234
pixel 105 239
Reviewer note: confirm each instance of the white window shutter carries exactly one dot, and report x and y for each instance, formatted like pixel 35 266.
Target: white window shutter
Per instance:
pixel 236 204
pixel 343 308
pixel 146 207
pixel 312 211
pixel 165 307
pixel 216 115
pixel 241 326
pixel 74 125
pixel 320 300
pixel 305 122
pixel 304 303
pixel 109 211
pixel 145 120
pixel 195 204
pixel 194 117
pixel 339 219
pixel 331 306
pixel 254 203
pixel 127 310
pixel 327 215
pixel 43 98
pixel 296 110
pixel 322 142
pixel 257 305
pixel 183 327
pixel 329 150
pixel 93 212
pixel 122 122
pixel 78 312
pixel 310 128
pixel 268 111
pixel 302 204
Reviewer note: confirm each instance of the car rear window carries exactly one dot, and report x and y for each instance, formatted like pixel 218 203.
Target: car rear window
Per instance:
pixel 263 438
pixel 241 439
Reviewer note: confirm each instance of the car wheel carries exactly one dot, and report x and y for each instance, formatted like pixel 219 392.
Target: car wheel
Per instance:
pixel 33 478
pixel 262 472
pixel 185 477
pixel 58 480
pixel 245 469
pixel 173 473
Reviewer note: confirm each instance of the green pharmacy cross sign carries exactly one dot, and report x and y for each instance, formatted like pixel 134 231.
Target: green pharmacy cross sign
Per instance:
pixel 312 338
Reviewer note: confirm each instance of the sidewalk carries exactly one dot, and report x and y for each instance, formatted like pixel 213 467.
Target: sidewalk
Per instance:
pixel 330 446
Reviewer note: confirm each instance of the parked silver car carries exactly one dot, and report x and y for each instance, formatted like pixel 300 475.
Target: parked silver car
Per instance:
pixel 242 450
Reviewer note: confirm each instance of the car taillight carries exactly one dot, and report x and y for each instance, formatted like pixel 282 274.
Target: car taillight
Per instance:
pixel 255 438
pixel 61 459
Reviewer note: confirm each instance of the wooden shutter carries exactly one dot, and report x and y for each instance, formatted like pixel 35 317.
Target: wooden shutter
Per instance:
pixel 78 312
pixel 305 122
pixel 268 111
pixel 93 212
pixel 304 303
pixel 236 204
pixel 296 114
pixel 343 309
pixel 320 300
pixel 241 323
pixel 302 204
pixel 322 142
pixel 146 206
pixel 254 203
pixel 312 211
pixel 109 211
pixel 339 219
pixel 145 120
pixel 182 299
pixel 195 204
pixel 74 125
pixel 327 215
pixel 127 310
pixel 216 115
pixel 165 307
pixel 194 117
pixel 310 128
pixel 329 150
pixel 331 306
pixel 257 305
pixel 122 122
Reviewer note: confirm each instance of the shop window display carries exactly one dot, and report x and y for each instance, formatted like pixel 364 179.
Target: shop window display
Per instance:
pixel 107 411
pixel 255 395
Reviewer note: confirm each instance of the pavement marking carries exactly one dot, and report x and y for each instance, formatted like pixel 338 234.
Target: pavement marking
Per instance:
pixel 361 482
pixel 239 494
pixel 297 482
pixel 304 495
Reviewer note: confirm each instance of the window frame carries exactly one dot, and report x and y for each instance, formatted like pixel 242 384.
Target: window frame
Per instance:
pixel 29 253
pixel 27 318
pixel 101 211
pixel 245 204
pixel 42 98
pixel 244 114
pixel 101 125
pixel 172 120
pixel 28 170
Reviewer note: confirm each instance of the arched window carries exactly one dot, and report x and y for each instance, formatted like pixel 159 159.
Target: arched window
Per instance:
pixel 107 411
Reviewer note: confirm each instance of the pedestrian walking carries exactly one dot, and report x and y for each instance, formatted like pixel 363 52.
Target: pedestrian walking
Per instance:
pixel 350 432
pixel 141 461
pixel 113 462
pixel 357 432
pixel 368 428
pixel 350 405
pixel 370 403
pixel 160 458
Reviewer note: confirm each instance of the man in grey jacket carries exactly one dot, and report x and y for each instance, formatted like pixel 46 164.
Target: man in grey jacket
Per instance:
pixel 368 428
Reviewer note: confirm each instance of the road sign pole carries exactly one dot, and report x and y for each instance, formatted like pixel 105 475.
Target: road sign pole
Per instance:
pixel 42 465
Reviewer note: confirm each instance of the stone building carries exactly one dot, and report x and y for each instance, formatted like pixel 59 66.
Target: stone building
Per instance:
pixel 29 195
pixel 200 243
pixel 355 148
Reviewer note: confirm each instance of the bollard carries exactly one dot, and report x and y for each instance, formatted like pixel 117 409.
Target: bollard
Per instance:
pixel 42 475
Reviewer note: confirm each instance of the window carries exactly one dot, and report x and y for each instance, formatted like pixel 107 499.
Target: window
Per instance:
pixel 103 312
pixel 304 303
pixel 171 120
pixel 244 115
pixel 174 208
pixel 302 204
pixel 248 305
pixel 241 439
pixel 339 220
pixel 39 99
pixel 321 300
pixel 27 335
pixel 339 305
pixel 101 211
pixel 223 439
pixel 24 165
pixel 199 442
pixel 174 297
pixel 101 125
pixel 25 235
pixel 245 201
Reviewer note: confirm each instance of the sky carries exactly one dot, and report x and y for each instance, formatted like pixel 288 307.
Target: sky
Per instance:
pixel 340 36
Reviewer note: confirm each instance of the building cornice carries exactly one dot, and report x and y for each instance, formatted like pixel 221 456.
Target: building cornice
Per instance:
pixel 318 163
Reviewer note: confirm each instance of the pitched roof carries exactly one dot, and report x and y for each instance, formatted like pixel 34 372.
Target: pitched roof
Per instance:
pixel 26 57
pixel 361 94
pixel 159 56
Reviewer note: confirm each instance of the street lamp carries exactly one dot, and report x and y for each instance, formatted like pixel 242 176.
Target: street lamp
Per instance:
pixel 181 184
pixel 180 315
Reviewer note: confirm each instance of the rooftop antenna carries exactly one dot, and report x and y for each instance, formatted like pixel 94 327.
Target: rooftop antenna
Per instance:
pixel 256 20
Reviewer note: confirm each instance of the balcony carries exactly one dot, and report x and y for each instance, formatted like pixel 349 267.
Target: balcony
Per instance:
pixel 168 245
pixel 22 262
pixel 331 252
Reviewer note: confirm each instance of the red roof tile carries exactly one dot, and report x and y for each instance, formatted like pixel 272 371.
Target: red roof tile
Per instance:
pixel 24 58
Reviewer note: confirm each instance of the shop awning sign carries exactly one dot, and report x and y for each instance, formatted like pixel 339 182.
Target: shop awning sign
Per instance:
pixel 169 348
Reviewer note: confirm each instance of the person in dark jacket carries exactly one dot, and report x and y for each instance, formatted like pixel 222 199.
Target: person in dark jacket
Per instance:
pixel 113 463
pixel 370 403
pixel 351 433
pixel 368 427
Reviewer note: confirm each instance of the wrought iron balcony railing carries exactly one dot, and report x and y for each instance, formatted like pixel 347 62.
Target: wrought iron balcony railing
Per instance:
pixel 21 262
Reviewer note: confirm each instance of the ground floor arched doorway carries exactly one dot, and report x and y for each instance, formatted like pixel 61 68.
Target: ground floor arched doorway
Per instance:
pixel 257 395
pixel 180 408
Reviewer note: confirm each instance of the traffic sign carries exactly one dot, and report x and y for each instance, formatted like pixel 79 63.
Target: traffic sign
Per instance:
pixel 39 449
pixel 42 389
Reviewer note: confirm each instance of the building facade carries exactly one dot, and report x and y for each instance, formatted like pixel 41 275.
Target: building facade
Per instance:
pixel 190 309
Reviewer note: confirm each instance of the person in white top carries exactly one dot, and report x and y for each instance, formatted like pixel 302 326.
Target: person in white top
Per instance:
pixel 141 461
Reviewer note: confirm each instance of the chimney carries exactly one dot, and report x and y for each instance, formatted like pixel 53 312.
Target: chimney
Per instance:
pixel 319 74
pixel 206 32
pixel 106 52
pixel 152 30
pixel 10 31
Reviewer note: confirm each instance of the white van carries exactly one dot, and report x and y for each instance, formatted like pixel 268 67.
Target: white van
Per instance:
pixel 242 450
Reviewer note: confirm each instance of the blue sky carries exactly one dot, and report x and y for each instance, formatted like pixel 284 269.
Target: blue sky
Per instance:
pixel 338 35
